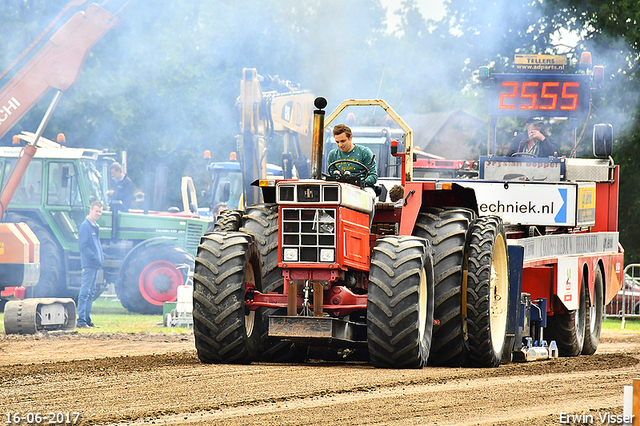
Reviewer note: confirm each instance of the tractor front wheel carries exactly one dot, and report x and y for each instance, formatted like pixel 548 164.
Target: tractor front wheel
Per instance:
pixel 400 303
pixel 225 331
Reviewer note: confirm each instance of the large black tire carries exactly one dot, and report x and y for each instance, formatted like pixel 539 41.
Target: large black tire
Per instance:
pixel 447 230
pixel 400 303
pixel 487 292
pixel 261 222
pixel 52 281
pixel 568 328
pixel 151 276
pixel 593 318
pixel 228 220
pixel 225 332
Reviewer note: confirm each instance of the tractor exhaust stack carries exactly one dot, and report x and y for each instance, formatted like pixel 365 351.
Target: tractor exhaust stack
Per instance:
pixel 318 138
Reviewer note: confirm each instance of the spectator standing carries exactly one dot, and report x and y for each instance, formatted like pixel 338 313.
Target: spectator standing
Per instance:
pixel 122 187
pixel 91 260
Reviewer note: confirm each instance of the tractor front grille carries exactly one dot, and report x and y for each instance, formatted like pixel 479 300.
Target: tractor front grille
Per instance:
pixel 308 235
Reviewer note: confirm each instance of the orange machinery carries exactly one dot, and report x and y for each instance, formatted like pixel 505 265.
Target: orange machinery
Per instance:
pixel 56 65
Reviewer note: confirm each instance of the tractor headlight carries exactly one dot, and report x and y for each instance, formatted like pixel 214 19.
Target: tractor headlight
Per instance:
pixel 290 255
pixel 327 255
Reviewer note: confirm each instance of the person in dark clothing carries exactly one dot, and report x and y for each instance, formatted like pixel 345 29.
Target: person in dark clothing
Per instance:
pixel 533 143
pixel 91 260
pixel 122 188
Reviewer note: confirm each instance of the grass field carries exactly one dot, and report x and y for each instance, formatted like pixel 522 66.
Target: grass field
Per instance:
pixel 113 318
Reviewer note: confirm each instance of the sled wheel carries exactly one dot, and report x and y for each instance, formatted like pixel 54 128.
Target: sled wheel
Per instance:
pixel 568 328
pixel 593 318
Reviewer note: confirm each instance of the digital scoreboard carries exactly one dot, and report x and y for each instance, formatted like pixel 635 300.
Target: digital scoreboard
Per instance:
pixel 546 95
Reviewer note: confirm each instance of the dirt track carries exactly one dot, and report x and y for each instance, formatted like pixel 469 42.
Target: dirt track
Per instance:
pixel 157 379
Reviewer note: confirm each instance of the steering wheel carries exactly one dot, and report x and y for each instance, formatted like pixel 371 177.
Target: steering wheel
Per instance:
pixel 342 174
pixel 523 154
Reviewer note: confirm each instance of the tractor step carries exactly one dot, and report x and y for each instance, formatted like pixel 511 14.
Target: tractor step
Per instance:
pixel 318 330
pixel 30 316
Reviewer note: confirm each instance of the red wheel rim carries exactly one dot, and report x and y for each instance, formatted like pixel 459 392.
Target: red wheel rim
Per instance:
pixel 159 282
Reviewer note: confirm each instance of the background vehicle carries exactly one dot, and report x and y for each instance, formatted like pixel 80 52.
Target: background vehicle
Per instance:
pixel 281 109
pixel 461 272
pixel 142 252
pixel 228 174
pixel 56 65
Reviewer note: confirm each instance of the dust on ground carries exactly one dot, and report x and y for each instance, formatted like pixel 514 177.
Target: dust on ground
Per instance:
pixel 150 378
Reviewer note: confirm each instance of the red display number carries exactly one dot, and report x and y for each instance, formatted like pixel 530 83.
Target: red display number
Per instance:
pixel 536 95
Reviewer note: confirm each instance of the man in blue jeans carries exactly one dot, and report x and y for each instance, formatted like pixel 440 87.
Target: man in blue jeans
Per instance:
pixel 91 260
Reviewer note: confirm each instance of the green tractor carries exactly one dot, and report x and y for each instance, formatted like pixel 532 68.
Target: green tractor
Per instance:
pixel 147 254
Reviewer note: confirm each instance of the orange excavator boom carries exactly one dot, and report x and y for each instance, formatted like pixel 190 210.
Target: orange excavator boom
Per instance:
pixel 57 65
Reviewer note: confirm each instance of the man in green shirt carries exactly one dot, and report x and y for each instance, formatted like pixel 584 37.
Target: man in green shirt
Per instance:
pixel 347 150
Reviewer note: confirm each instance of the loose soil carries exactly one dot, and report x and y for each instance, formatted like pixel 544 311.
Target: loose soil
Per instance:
pixel 158 379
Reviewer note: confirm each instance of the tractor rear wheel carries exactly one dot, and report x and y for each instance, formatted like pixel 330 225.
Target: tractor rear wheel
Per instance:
pixel 152 276
pixel 487 292
pixel 593 318
pixel 52 282
pixel 568 328
pixel 446 229
pixel 225 331
pixel 228 220
pixel 261 222
pixel 400 303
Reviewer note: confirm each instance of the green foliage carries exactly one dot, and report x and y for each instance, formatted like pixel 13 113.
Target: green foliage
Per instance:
pixel 163 84
pixel 615 325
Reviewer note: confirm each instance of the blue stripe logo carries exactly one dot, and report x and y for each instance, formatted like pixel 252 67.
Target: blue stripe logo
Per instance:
pixel 561 217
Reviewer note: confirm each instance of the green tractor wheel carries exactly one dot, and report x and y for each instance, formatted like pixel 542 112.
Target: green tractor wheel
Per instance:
pixel 151 276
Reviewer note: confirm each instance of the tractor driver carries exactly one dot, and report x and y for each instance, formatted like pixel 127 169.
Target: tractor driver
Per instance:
pixel 347 150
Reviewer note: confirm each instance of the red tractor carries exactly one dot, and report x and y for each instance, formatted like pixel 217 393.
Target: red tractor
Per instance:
pixel 305 270
pixel 459 271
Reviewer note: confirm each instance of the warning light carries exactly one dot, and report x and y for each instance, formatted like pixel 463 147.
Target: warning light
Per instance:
pixel 598 76
pixel 16 140
pixel 207 154
pixel 61 138
pixel 585 60
pixel 483 73
pixel 233 157
pixel 351 119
